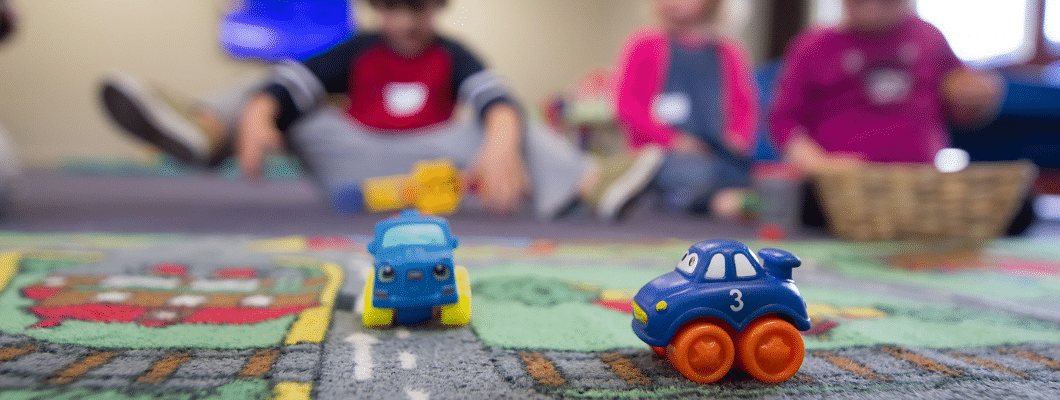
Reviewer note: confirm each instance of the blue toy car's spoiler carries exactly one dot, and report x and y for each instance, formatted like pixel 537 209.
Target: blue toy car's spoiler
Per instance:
pixel 779 263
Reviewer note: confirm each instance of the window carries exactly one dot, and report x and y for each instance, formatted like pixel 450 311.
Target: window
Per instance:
pixel 716 269
pixel 1052 21
pixel 688 263
pixel 414 234
pixel 984 31
pixel 744 269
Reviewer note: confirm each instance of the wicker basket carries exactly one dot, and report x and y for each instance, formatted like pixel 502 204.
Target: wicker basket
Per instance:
pixel 916 201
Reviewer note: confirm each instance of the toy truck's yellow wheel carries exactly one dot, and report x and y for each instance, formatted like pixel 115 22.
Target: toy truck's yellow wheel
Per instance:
pixel 459 313
pixel 702 352
pixel 374 317
pixel 770 350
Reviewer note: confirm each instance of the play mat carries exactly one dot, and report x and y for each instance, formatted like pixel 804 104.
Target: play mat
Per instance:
pixel 233 317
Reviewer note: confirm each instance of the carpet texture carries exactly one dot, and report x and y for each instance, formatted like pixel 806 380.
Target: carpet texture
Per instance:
pixel 242 317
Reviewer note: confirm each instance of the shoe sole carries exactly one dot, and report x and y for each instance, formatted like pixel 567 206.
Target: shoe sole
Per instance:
pixel 620 195
pixel 150 119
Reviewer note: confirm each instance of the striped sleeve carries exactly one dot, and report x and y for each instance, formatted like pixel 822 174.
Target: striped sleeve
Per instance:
pixel 300 87
pixel 480 87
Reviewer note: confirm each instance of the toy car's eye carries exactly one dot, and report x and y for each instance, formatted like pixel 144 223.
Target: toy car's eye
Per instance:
pixel 441 272
pixel 387 273
pixel 688 263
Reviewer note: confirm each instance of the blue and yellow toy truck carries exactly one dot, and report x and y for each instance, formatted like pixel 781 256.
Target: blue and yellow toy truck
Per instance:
pixel 413 274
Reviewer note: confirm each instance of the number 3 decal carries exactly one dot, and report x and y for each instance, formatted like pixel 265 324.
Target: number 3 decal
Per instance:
pixel 737 297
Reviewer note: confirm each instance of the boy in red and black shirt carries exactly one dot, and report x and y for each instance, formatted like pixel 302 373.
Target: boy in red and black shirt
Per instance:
pixel 403 84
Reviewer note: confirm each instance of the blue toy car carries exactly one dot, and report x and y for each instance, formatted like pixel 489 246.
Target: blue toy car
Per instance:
pixel 414 273
pixel 722 305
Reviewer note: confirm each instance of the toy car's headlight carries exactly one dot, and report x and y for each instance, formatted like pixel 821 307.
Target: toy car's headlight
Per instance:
pixel 639 314
pixel 441 272
pixel 387 273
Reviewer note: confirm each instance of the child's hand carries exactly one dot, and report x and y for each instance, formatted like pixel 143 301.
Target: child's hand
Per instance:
pixel 500 177
pixel 685 143
pixel 498 171
pixel 257 135
pixel 972 95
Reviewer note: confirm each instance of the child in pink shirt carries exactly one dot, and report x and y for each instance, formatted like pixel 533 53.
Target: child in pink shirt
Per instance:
pixel 882 87
pixel 688 88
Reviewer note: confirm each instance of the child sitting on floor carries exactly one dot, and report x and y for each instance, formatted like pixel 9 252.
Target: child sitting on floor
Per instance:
pixel 10 168
pixel 688 87
pixel 402 84
pixel 881 87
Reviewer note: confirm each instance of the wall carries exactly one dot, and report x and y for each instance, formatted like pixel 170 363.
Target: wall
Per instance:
pixel 49 72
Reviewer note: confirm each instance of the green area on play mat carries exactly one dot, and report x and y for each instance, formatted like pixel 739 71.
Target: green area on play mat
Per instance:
pixel 581 326
pixel 241 389
pixel 867 262
pixel 14 320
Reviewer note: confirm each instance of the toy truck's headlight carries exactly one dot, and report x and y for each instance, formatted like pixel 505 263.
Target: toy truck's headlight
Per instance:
pixel 639 314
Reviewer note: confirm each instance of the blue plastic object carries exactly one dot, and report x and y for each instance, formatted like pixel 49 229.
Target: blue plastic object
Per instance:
pixel 272 30
pixel 414 269
pixel 721 304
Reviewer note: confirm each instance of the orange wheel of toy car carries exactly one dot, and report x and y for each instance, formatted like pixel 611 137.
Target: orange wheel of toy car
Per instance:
pixel 770 350
pixel 659 351
pixel 702 352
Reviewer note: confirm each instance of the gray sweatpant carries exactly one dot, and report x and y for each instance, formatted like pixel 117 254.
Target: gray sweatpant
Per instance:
pixel 341 153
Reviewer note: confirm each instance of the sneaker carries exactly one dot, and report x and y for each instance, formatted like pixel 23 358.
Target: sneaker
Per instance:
pixel 162 119
pixel 623 178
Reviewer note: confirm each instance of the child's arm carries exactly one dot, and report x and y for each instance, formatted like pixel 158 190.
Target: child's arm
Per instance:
pixel 793 109
pixel 499 171
pixel 973 97
pixel 637 83
pixel 294 89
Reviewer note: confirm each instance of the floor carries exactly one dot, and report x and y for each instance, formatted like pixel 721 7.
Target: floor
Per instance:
pixel 51 202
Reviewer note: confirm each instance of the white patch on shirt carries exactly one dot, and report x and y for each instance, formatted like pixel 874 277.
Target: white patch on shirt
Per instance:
pixel 909 53
pixel 672 108
pixel 403 99
pixel 889 86
pixel 853 61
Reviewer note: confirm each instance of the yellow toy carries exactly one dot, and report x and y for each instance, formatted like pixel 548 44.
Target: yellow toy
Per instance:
pixel 432 187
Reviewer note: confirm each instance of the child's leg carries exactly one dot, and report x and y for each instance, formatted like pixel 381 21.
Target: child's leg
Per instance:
pixel 10 170
pixel 689 182
pixel 196 132
pixel 341 154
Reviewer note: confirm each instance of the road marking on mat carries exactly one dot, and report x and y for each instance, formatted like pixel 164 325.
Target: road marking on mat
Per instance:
pixel 985 363
pixel 161 369
pixel 849 365
pixel 921 361
pixel 624 368
pixel 542 369
pixel 362 355
pixel 417 394
pixel 80 367
pixel 1048 362
pixel 408 360
pixel 403 333
pixel 12 352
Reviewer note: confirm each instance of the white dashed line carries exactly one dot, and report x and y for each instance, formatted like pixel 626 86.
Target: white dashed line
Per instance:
pixel 362 355
pixel 417 394
pixel 403 333
pixel 408 360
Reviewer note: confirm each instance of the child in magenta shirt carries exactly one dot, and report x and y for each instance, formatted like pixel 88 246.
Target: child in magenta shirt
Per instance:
pixel 882 87
pixel 688 88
